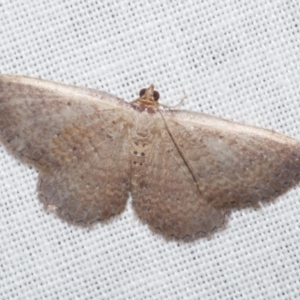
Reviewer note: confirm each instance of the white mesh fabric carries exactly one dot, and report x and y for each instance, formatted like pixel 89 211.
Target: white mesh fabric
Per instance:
pixel 235 59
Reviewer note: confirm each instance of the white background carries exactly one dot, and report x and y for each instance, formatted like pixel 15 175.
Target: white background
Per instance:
pixel 239 60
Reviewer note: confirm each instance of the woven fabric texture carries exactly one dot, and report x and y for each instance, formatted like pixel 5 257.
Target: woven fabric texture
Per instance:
pixel 239 60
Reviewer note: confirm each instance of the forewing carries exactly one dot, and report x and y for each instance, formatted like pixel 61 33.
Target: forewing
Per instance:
pixel 75 137
pixel 235 165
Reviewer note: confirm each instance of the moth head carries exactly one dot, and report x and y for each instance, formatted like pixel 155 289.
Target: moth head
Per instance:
pixel 149 94
pixel 148 100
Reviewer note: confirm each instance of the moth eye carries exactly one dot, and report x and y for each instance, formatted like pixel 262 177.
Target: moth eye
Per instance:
pixel 142 92
pixel 156 95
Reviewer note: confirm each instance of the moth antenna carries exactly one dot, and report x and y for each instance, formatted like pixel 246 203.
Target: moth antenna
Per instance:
pixel 183 97
pixel 180 152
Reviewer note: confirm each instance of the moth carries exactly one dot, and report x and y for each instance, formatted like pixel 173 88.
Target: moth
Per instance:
pixel 186 171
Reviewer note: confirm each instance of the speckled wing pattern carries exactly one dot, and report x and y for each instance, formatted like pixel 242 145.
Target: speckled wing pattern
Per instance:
pixel 76 139
pixel 164 192
pixel 186 171
pixel 235 165
pixel 191 182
